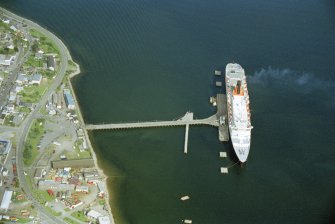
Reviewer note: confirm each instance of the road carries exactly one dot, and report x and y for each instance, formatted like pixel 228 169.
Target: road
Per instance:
pixel 24 127
pixel 13 73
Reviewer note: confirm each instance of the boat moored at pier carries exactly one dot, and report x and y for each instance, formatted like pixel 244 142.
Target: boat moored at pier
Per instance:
pixel 239 117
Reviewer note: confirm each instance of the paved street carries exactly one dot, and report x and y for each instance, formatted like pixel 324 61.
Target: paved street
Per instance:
pixel 46 217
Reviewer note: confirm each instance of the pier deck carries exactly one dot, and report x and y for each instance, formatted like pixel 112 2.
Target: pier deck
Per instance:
pixel 222 117
pixel 187 119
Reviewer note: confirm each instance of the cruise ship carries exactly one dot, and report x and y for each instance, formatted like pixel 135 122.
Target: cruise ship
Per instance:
pixel 239 117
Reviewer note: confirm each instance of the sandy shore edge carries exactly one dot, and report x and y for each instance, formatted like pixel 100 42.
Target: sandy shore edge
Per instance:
pixel 64 52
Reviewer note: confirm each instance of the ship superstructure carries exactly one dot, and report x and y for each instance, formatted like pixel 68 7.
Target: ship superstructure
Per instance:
pixel 239 117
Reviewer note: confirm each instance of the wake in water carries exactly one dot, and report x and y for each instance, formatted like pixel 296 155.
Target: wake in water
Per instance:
pixel 307 82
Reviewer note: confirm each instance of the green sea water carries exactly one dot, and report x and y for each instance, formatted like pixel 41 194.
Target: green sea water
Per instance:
pixel 154 60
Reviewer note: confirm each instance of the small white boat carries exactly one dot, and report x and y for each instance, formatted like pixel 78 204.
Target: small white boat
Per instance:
pixel 187 221
pixel 184 198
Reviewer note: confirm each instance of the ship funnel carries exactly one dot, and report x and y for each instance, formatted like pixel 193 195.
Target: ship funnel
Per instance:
pixel 238 87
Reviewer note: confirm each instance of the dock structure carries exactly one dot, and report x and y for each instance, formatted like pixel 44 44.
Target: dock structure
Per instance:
pixel 217 120
pixel 217 72
pixel 218 83
pixel 222 117
pixel 224 170
pixel 223 154
pixel 187 119
pixel 186 138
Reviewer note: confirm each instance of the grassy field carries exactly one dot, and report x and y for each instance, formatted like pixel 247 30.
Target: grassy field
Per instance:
pixel 42 196
pixel 80 216
pixel 34 136
pixel 53 212
pixel 32 94
pixel 45 44
pixel 33 62
pixel 23 220
pixel 75 153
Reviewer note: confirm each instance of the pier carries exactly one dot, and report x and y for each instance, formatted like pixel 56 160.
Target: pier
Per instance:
pixel 218 120
pixel 187 119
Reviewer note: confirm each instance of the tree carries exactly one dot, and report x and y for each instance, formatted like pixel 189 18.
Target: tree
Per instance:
pixel 34 47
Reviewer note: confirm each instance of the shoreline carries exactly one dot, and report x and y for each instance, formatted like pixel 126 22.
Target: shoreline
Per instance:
pixel 65 53
pixel 100 170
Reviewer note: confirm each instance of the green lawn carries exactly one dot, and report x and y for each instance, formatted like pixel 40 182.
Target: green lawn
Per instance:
pixel 36 33
pixel 80 216
pixel 47 45
pixel 34 136
pixel 24 220
pixel 9 120
pixel 33 62
pixel 32 94
pixel 53 212
pixel 75 153
pixel 42 196
pixel 24 109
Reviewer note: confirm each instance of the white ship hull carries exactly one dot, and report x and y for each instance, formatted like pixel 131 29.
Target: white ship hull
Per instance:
pixel 239 117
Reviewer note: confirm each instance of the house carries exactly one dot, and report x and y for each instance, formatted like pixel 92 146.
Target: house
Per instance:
pixel 10 108
pixel 10 46
pixel 69 99
pixel 5 172
pixel 80 132
pixel 54 99
pixel 38 173
pixel 82 189
pixel 12 27
pixel 36 79
pixel 2 118
pixel 18 89
pixel 71 203
pixel 22 79
pixel 91 174
pixel 5 147
pixel 39 54
pixel 53 185
pixel 51 62
pixel 24 104
pixel 74 181
pixel 104 220
pixel 102 189
pixel 93 214
pixel 6 59
pixel 6 21
pixel 12 96
pixel 6 200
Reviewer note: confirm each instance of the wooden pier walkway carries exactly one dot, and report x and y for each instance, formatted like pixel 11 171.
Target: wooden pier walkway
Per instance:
pixel 187 119
pixel 218 120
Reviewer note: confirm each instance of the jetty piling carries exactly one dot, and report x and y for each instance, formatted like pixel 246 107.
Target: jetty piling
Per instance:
pixel 186 138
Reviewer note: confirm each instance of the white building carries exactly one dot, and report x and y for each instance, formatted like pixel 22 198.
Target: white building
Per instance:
pixel 6 21
pixel 93 214
pixel 104 220
pixel 12 96
pixel 12 27
pixel 69 99
pixel 6 59
pixel 102 189
pixel 82 189
pixel 22 79
pixel 6 200
pixel 36 79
